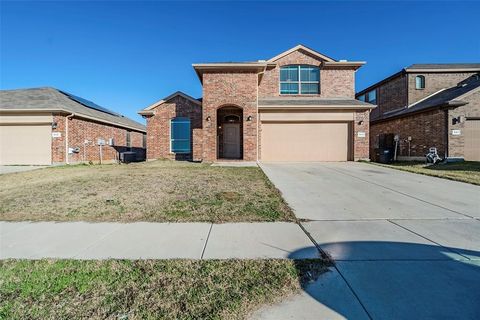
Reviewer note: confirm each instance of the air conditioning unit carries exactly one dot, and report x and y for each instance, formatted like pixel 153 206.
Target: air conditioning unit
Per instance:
pixel 128 156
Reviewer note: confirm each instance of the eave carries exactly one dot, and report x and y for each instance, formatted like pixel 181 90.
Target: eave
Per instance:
pixel 350 64
pixel 258 67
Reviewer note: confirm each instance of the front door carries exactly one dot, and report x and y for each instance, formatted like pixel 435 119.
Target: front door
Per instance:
pixel 231 140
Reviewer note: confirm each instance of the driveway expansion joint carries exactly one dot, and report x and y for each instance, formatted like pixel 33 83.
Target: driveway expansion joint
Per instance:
pixel 322 253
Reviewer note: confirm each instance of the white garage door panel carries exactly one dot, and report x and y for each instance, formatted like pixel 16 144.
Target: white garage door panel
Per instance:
pixel 25 144
pixel 305 141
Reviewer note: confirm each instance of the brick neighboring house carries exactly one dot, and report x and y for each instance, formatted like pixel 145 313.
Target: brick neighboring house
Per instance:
pixel 35 125
pixel 427 105
pixel 297 106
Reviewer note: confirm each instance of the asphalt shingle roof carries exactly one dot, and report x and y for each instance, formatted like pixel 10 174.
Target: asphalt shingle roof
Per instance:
pixel 442 98
pixel 452 66
pixel 53 99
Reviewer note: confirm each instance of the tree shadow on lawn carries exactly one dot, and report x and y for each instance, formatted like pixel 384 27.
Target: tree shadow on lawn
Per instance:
pixel 397 280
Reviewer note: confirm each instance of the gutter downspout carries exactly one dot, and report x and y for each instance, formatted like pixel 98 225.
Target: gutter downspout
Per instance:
pixel 66 136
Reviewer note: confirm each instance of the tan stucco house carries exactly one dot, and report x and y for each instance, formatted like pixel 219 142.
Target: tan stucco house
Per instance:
pixel 43 126
pixel 296 106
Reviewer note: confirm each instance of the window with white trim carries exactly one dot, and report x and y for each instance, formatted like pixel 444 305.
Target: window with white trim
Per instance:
pixel 299 79
pixel 180 135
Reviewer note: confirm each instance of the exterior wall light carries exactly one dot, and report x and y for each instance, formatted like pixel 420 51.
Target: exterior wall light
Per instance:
pixel 360 122
pixel 208 118
pixel 249 118
pixel 54 125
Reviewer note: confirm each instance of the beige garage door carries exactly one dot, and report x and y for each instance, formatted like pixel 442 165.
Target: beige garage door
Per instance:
pixel 25 144
pixel 303 141
pixel 472 140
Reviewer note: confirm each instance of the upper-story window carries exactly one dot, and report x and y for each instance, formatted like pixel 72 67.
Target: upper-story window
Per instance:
pixel 370 96
pixel 420 82
pixel 299 79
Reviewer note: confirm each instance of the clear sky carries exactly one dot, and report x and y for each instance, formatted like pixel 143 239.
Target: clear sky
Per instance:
pixel 126 55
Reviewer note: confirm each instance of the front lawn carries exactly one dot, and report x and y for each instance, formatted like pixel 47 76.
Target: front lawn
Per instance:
pixel 162 289
pixel 154 191
pixel 467 171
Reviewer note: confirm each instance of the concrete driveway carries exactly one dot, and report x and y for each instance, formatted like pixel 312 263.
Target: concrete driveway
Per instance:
pixel 406 246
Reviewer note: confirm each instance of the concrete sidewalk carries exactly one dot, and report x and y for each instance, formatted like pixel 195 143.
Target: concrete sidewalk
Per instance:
pixel 143 240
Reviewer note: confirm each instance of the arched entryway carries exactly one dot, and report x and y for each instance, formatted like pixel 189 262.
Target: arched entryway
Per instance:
pixel 230 133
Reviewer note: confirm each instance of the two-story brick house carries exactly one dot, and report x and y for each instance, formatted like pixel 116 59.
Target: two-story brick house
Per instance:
pixel 297 106
pixel 427 105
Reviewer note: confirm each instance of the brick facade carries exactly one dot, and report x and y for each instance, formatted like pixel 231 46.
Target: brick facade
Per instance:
pixel 456 143
pixel 361 144
pixel 391 95
pixel 84 134
pixel 334 82
pixel 158 129
pixel 237 89
pixel 433 83
pixel 58 143
pixel 425 129
pixel 227 88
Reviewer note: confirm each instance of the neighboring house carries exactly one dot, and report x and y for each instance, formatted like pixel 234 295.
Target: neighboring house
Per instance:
pixel 297 106
pixel 35 125
pixel 427 105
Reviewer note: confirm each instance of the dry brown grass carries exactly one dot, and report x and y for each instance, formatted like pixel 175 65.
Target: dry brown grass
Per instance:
pixel 162 289
pixel 154 191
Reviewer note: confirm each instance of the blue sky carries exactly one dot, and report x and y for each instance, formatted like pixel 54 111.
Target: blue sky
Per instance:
pixel 126 55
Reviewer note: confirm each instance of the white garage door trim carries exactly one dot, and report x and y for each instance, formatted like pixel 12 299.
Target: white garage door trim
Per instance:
pixel 306 141
pixel 26 144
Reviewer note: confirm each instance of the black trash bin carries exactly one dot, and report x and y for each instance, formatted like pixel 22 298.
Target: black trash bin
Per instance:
pixel 128 156
pixel 384 155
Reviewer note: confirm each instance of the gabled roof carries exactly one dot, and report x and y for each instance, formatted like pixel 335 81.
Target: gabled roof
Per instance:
pixel 304 48
pixel 49 99
pixel 262 65
pixel 448 97
pixel 149 110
